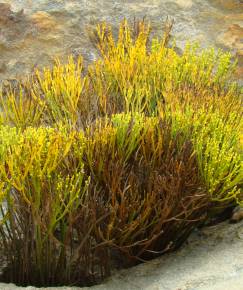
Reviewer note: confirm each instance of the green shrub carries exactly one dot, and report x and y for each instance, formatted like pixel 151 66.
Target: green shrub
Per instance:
pixel 217 144
pixel 148 184
pixel 43 196
pixel 115 163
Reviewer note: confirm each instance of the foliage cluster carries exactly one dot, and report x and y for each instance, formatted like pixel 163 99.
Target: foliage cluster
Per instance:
pixel 116 163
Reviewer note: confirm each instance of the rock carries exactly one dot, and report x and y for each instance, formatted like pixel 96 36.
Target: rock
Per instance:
pixel 7 15
pixel 3 67
pixel 51 26
pixel 232 37
pixel 43 21
pixel 237 215
pixel 184 3
pixel 5 10
pixel 234 17
pixel 229 4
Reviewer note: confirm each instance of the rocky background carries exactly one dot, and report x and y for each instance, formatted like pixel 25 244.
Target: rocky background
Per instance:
pixel 34 32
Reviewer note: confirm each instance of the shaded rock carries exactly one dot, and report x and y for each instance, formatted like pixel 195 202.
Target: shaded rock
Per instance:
pixel 237 215
pixel 13 26
pixel 7 15
pixel 3 67
pixel 5 12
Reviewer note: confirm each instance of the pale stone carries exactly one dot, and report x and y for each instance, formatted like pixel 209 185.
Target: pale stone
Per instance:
pixel 184 3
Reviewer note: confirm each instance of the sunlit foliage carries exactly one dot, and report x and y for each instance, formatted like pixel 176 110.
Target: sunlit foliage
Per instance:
pixel 116 162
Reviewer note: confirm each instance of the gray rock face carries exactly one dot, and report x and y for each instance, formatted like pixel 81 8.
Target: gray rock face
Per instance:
pixel 212 259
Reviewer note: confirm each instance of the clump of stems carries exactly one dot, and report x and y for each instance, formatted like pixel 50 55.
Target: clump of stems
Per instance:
pixel 116 163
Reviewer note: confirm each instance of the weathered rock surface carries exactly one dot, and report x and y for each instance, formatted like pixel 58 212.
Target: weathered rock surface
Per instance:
pixel 233 39
pixel 212 259
pixel 229 4
pixel 43 20
pixel 31 29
